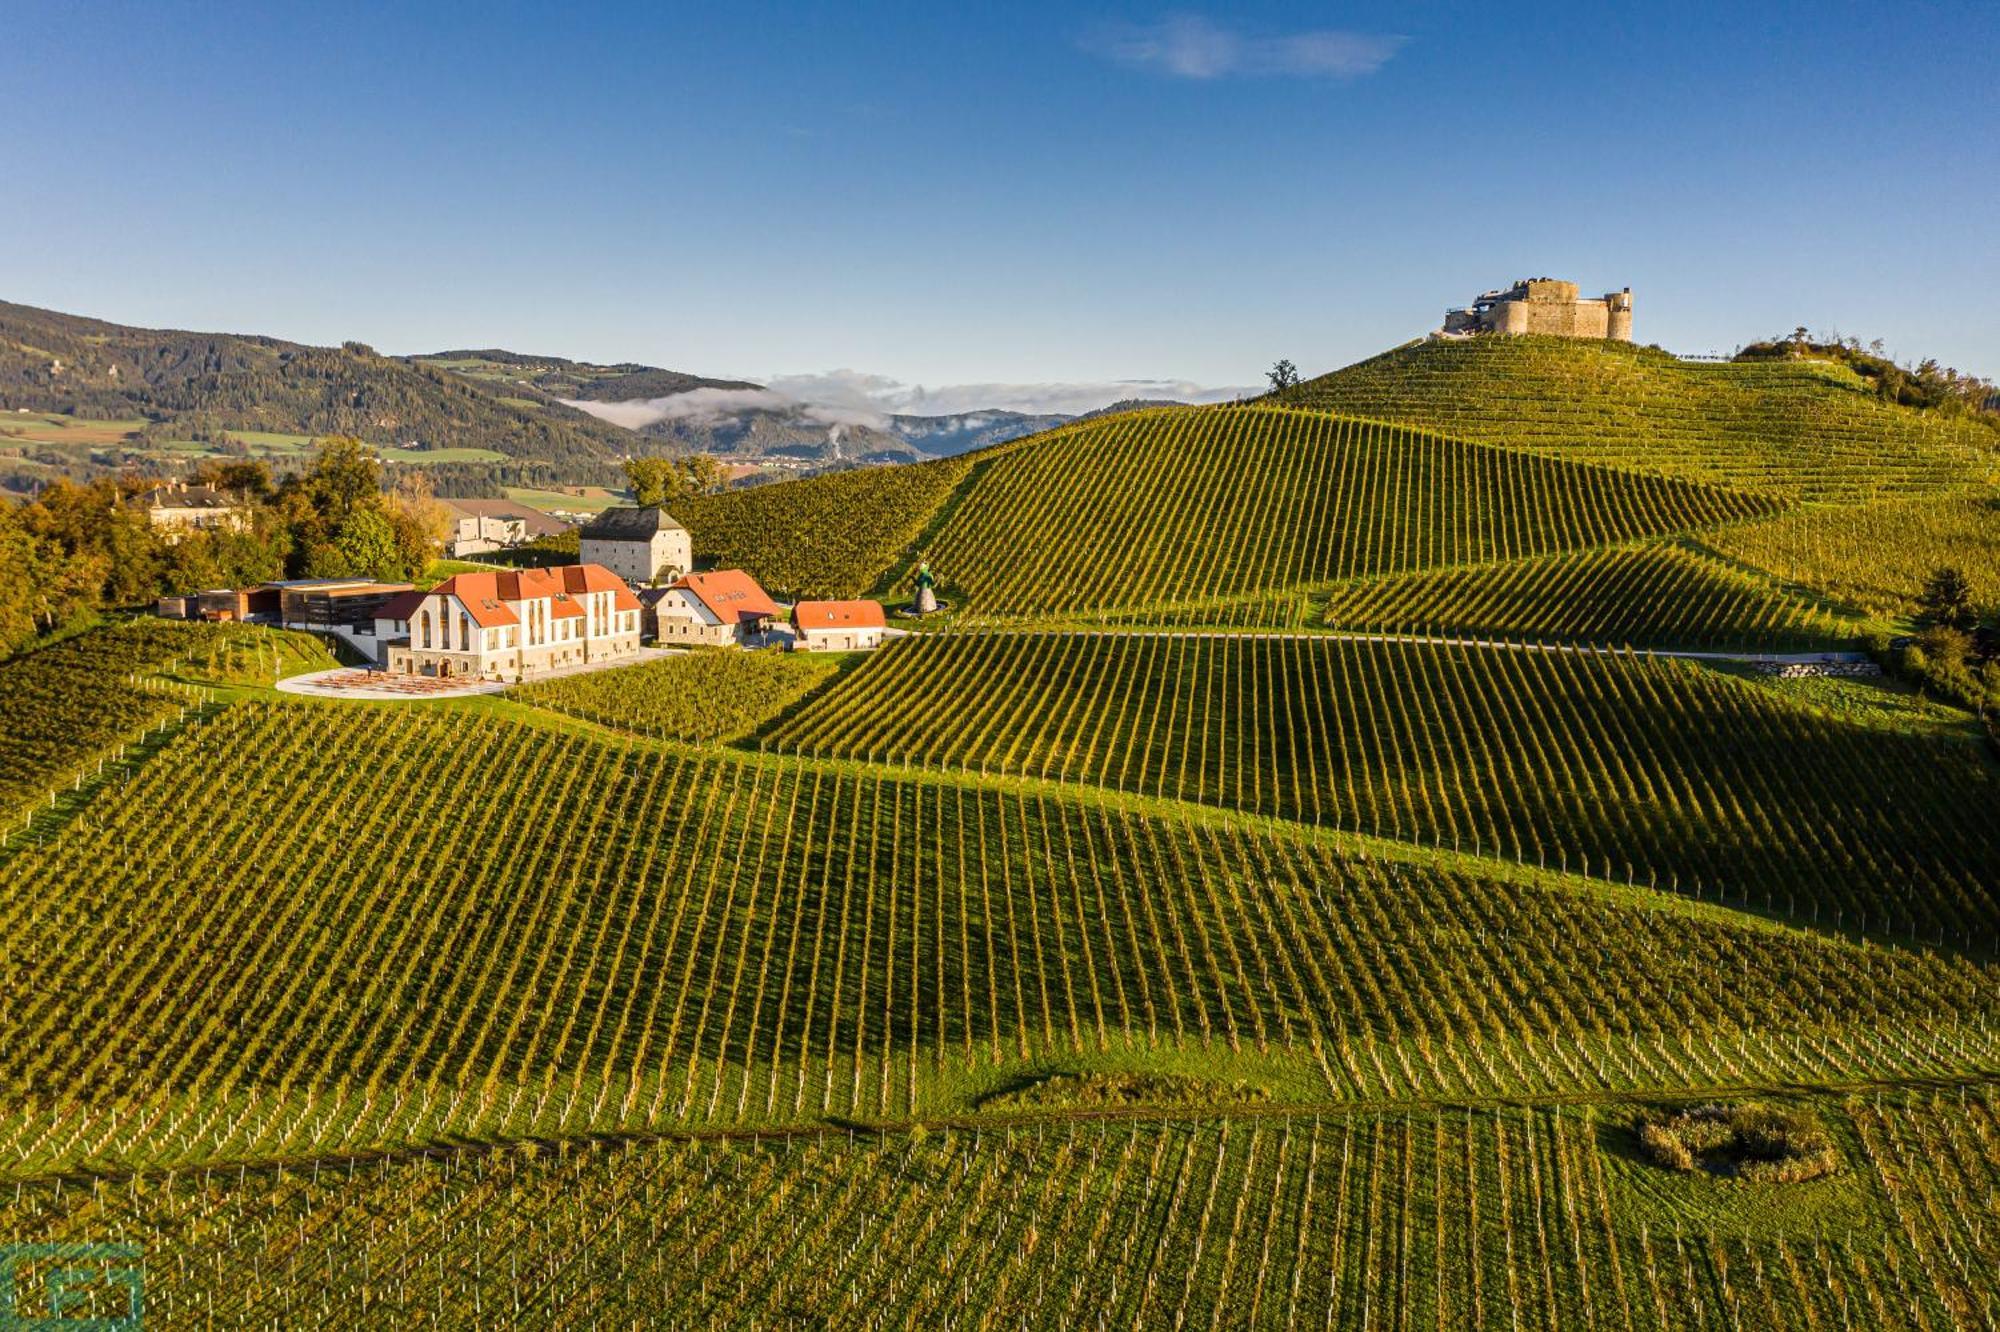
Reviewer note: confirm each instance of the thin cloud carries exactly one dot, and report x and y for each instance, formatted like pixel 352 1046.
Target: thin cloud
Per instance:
pixel 857 398
pixel 1188 46
pixel 859 390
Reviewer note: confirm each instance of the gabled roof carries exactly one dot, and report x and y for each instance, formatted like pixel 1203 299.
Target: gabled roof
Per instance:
pixel 732 595
pixel 401 607
pixel 622 524
pixel 534 521
pixel 491 596
pixel 820 615
pixel 178 496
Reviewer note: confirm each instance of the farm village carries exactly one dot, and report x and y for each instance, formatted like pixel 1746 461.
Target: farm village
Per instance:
pixel 634 585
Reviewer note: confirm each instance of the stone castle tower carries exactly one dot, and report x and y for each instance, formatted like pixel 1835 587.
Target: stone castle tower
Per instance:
pixel 1544 305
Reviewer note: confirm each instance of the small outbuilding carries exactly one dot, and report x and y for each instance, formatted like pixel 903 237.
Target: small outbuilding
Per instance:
pixel 639 545
pixel 837 626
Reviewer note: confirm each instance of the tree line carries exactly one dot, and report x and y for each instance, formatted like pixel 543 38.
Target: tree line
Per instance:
pixel 79 549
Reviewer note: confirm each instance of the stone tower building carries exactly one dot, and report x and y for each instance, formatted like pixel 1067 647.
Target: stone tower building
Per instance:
pixel 1544 305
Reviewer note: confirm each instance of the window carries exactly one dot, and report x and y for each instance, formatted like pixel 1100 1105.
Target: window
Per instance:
pixel 425 621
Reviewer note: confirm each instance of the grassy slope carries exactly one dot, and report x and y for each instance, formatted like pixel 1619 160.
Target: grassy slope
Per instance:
pixel 1651 768
pixel 1490 1219
pixel 1799 431
pixel 643 938
pixel 1658 594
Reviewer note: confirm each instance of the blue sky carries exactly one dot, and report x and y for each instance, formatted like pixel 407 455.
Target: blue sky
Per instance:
pixel 1000 195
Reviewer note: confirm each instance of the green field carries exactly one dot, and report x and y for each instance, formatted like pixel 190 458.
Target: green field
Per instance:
pixel 426 457
pixel 1490 1218
pixel 1802 430
pixel 1653 595
pixel 1647 769
pixel 706 694
pixel 553 501
pixel 1271 896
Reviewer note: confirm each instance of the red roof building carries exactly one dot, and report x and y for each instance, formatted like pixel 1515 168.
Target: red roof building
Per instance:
pixel 837 626
pixel 512 624
pixel 717 609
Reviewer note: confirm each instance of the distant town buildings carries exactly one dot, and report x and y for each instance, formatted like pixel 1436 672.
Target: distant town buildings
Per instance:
pixel 175 508
pixel 639 545
pixel 714 609
pixel 837 626
pixel 511 625
pixel 1544 305
pixel 480 526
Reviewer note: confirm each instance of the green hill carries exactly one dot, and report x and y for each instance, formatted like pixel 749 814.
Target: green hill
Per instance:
pixel 166 385
pixel 1657 594
pixel 1161 506
pixel 1164 972
pixel 1546 757
pixel 1799 430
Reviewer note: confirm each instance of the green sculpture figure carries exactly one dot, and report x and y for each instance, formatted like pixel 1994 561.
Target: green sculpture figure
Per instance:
pixel 926 601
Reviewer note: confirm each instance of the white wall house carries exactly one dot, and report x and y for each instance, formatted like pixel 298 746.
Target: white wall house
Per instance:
pixel 837 626
pixel 639 545
pixel 718 609
pixel 511 626
pixel 483 525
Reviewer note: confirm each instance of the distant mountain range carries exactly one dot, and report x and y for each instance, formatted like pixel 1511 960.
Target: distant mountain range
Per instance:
pixel 476 418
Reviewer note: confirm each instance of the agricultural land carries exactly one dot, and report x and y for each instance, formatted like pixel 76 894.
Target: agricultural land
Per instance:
pixel 1346 860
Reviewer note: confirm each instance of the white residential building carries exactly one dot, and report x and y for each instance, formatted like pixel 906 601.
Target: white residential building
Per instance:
pixel 511 626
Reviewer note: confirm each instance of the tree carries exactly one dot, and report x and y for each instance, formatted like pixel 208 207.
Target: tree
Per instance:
pixel 1947 599
pixel 660 482
pixel 1283 375
pixel 367 545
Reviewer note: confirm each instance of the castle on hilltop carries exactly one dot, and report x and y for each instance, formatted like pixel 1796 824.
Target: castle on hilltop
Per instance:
pixel 1543 305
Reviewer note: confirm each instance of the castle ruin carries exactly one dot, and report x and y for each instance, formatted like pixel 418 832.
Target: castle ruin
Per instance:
pixel 1544 305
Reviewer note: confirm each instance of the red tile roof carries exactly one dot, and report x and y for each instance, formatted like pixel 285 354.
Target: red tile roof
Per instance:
pixel 731 594
pixel 488 596
pixel 812 615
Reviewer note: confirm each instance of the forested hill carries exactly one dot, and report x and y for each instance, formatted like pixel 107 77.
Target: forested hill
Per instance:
pixel 197 385
pixel 555 377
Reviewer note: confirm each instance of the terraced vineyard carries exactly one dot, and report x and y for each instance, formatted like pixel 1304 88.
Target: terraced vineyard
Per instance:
pixel 707 694
pixel 831 537
pixel 1804 431
pixel 635 939
pixel 1876 558
pixel 1644 769
pixel 1016 976
pixel 62 707
pixel 1477 1219
pixel 1152 507
pixel 1655 595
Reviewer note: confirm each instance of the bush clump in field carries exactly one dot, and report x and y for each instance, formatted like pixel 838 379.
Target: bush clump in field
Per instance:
pixel 1758 1143
pixel 1094 1091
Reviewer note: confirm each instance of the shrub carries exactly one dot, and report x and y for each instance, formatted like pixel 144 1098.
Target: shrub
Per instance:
pixel 1753 1142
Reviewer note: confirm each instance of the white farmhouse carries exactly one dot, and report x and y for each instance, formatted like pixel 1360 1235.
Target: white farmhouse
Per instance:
pixel 511 625
pixel 837 626
pixel 639 545
pixel 719 609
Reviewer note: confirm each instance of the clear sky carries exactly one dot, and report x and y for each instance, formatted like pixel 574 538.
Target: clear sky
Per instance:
pixel 1008 194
